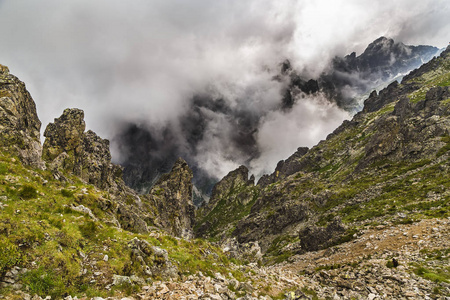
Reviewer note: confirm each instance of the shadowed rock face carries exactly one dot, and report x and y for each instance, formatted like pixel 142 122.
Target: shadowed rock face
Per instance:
pixel 172 196
pixel 19 123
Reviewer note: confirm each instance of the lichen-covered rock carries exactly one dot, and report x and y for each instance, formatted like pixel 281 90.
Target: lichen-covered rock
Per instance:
pixel 19 123
pixel 172 196
pixel 65 135
pixel 153 260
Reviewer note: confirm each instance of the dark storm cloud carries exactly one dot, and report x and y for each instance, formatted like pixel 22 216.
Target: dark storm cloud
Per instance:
pixel 143 62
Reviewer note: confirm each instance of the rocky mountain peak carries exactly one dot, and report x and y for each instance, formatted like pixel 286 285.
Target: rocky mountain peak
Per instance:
pixel 67 147
pixel 381 43
pixel 65 134
pixel 233 180
pixel 172 196
pixel 19 123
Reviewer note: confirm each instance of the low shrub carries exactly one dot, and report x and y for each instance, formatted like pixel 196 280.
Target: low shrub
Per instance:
pixel 28 192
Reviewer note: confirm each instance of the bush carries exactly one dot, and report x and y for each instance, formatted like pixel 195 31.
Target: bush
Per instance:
pixel 44 282
pixel 67 193
pixel 10 255
pixel 27 192
pixel 88 229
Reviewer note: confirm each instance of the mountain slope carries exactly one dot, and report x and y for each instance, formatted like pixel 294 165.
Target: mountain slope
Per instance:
pixel 388 164
pixel 68 222
pixel 149 151
pixel 70 227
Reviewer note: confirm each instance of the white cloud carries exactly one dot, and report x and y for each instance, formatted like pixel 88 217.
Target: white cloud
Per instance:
pixel 142 60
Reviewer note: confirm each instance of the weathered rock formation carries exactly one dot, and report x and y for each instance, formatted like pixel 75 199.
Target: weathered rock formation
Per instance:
pixel 19 123
pixel 172 197
pixel 68 147
pixel 231 198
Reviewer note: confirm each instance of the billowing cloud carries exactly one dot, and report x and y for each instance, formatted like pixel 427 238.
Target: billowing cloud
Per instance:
pixel 143 61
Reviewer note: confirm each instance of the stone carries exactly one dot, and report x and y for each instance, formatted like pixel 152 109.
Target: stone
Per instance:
pixel 119 280
pixel 68 148
pixel 19 122
pixel 172 197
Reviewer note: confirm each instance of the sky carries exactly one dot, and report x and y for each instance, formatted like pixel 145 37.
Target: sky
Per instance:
pixel 142 61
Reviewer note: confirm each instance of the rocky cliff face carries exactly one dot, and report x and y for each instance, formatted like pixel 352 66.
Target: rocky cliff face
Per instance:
pixel 68 147
pixel 382 166
pixel 231 198
pixel 172 196
pixel 19 123
pixel 69 150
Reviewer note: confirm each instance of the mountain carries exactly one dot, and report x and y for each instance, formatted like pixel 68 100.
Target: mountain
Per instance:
pixel 387 165
pixel 350 77
pixel 362 215
pixel 148 152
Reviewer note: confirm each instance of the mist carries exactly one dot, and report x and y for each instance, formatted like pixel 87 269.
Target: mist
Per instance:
pixel 167 67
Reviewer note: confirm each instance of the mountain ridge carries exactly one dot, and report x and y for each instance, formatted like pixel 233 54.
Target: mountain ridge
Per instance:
pixel 363 214
pixel 149 152
pixel 290 206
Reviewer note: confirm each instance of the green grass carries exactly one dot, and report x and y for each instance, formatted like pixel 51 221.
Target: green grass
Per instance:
pixel 28 192
pixel 52 236
pixel 10 255
pixel 446 147
pixel 436 275
pixel 43 281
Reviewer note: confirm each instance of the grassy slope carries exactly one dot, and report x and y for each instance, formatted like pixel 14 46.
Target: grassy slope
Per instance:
pixel 63 248
pixel 387 190
pixel 391 189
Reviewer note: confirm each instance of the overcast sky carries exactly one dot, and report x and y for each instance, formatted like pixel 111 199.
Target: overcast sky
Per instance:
pixel 140 60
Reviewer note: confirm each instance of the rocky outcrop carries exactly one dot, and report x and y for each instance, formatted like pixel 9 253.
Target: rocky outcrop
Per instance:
pixel 234 181
pixel 19 123
pixel 231 198
pixel 285 168
pixel 411 131
pixel 68 147
pixel 172 197
pixel 313 238
pixel 152 260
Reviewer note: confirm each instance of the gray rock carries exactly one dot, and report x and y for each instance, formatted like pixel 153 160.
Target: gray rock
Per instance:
pixel 19 123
